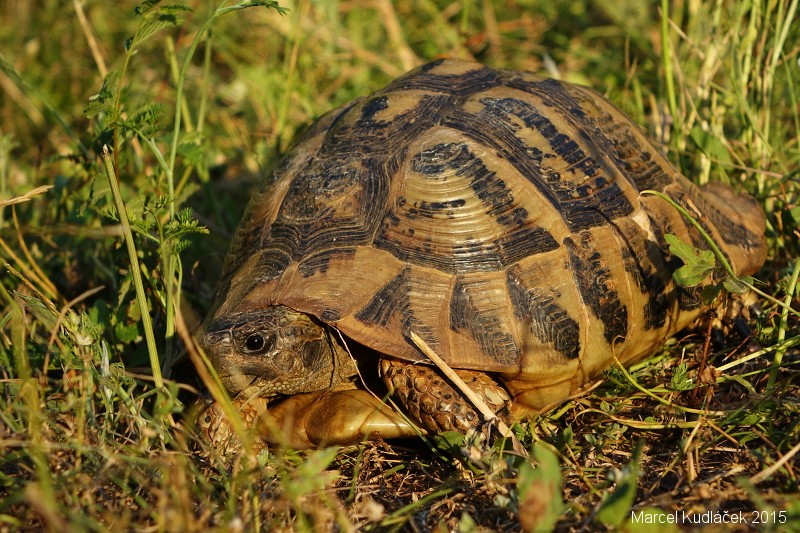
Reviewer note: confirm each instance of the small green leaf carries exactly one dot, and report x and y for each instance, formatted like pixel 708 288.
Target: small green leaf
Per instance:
pixel 680 380
pixel 192 152
pixel 127 332
pixel 183 224
pixel 539 490
pixel 449 441
pixel 694 274
pixel 616 507
pixel 157 20
pixel 103 100
pixel 43 312
pixel 794 213
pixel 145 120
pixel 271 4
pixel 698 264
pixel 466 524
pixel 711 145
pixel 737 285
pixel 680 248
pixel 146 6
pixel 312 475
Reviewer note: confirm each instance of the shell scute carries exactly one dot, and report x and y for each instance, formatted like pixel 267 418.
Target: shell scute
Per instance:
pixel 597 285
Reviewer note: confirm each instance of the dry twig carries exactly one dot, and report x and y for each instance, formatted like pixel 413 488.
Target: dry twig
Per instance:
pixel 476 400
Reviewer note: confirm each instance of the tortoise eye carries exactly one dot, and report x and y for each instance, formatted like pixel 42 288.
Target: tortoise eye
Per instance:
pixel 255 343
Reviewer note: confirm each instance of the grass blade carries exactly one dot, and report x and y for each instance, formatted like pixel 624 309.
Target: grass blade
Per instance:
pixel 141 297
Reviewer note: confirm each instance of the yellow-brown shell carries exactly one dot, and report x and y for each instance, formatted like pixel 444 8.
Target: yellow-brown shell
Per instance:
pixel 495 213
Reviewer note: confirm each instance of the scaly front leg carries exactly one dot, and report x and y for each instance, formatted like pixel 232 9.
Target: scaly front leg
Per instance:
pixel 308 420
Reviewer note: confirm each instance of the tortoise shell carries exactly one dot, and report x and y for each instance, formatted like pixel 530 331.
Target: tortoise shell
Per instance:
pixel 498 215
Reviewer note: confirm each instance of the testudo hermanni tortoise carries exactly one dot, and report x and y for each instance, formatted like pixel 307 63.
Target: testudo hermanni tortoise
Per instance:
pixel 496 214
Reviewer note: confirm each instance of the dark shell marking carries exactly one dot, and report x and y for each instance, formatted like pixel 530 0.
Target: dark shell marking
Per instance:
pixel 496 214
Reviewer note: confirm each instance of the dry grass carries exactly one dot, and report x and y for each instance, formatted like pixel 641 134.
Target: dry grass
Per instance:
pixel 88 443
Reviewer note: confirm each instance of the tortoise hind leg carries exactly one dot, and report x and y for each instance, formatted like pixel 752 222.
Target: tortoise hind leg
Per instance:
pixel 434 401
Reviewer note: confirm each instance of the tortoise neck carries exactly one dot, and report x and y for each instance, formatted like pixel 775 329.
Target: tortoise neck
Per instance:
pixel 344 360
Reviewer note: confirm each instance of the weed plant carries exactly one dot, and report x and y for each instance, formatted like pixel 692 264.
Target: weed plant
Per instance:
pixel 130 137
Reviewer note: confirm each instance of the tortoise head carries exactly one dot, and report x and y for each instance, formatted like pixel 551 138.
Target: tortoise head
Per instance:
pixel 275 350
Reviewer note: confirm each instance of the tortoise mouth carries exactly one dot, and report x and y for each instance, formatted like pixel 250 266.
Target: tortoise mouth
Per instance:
pixel 231 370
pixel 256 389
pixel 236 382
pixel 243 373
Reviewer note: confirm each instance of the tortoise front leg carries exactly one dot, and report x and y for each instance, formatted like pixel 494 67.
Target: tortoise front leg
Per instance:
pixel 434 401
pixel 337 417
pixel 306 420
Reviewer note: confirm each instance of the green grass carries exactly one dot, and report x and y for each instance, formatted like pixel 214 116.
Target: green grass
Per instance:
pixel 194 111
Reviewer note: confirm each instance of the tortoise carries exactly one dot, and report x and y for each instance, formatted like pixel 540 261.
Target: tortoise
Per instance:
pixel 496 214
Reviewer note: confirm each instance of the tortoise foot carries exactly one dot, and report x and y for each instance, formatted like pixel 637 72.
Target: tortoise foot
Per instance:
pixel 434 401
